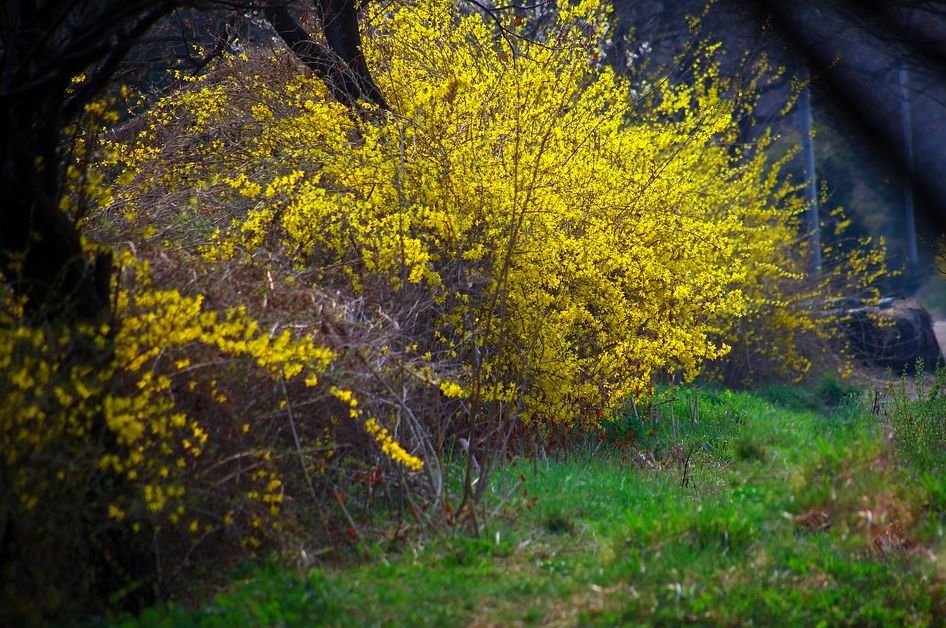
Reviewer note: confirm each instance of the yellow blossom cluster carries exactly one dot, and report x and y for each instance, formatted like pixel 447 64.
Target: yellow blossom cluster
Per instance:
pixel 391 448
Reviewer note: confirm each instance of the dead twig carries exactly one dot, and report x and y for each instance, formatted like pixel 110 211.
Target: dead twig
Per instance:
pixel 685 480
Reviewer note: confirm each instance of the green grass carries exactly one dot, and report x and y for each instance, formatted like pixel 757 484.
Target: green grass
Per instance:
pixel 793 514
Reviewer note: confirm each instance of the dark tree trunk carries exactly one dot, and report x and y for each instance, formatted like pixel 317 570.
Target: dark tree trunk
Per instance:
pixel 40 250
pixel 340 23
pixel 42 47
pixel 811 176
pixel 341 63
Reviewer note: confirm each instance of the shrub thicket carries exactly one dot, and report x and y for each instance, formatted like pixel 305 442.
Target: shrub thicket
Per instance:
pixel 318 303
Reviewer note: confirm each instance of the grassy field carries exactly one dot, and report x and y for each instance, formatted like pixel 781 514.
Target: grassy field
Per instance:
pixel 785 506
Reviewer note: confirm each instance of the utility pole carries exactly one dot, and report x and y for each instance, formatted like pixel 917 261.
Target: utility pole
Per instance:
pixel 811 177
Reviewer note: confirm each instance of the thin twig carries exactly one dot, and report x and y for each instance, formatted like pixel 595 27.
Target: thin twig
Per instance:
pixel 341 504
pixel 685 480
pixel 295 438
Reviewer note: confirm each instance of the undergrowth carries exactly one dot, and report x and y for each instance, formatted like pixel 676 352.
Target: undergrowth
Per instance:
pixel 918 418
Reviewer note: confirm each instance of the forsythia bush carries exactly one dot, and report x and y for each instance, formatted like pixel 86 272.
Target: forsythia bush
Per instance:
pixel 148 441
pixel 565 250
pixel 95 438
pixel 128 428
pixel 794 320
pixel 118 435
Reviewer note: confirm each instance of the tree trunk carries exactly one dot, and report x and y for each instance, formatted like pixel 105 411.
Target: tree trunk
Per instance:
pixel 811 176
pixel 906 128
pixel 341 63
pixel 40 251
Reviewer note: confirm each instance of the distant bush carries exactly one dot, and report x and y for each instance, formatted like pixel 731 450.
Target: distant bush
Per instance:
pixel 793 326
pixel 833 392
